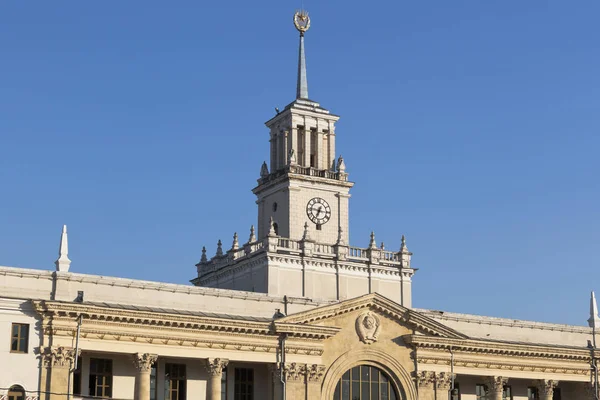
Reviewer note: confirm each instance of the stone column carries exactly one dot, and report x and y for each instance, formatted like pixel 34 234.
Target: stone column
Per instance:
pixel 320 156
pixel 143 363
pixel 426 382
pixel 58 362
pixel 214 367
pixel 546 388
pixel 495 385
pixel 314 378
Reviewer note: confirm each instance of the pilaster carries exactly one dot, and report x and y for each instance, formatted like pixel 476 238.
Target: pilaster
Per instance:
pixel 214 367
pixel 295 378
pixel 426 384
pixel 57 362
pixel 314 379
pixel 443 383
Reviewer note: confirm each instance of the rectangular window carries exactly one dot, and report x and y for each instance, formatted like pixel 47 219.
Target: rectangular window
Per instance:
pixel 224 384
pixel 100 377
pixel 507 393
pixel 19 338
pixel 244 384
pixel 175 381
pixel 481 392
pixel 532 393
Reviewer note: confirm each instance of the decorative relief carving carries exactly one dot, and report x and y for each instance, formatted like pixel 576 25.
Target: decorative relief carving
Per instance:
pixel 496 383
pixel 368 326
pixel 214 366
pixel 143 361
pixel 426 379
pixel 294 372
pixel 443 380
pixel 57 357
pixel 546 386
pixel 315 373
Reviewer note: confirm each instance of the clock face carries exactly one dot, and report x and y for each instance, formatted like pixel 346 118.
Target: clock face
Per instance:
pixel 318 211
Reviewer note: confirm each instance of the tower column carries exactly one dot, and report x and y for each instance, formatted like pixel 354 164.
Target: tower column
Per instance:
pixel 331 149
pixel 319 150
pixel 293 141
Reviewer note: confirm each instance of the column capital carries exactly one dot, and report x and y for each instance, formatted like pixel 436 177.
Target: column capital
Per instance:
pixel 143 361
pixel 426 379
pixel 496 384
pixel 294 372
pixel 443 380
pixel 57 356
pixel 214 366
pixel 315 373
pixel 546 386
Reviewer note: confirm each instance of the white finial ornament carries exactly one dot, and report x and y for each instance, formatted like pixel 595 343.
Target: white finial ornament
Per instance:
pixel 219 248
pixel 252 237
pixel 373 242
pixel 306 235
pixel 235 245
pixel 63 263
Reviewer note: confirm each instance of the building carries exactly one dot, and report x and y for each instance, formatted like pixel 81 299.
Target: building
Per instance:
pixel 295 313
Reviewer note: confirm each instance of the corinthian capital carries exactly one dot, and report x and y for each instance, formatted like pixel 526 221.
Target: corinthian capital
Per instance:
pixel 315 373
pixel 443 380
pixel 143 361
pixel 426 379
pixel 496 383
pixel 57 357
pixel 294 372
pixel 214 366
pixel 546 386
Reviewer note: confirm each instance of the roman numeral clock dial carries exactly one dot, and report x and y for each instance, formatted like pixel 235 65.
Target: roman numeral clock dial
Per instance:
pixel 318 211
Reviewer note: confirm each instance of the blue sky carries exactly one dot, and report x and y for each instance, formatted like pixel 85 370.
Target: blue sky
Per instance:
pixel 471 127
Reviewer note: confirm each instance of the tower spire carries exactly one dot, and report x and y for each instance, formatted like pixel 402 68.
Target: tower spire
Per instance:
pixel 302 23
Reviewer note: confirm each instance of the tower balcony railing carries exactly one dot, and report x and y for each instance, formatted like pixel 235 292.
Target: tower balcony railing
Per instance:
pixel 306 171
pixel 305 248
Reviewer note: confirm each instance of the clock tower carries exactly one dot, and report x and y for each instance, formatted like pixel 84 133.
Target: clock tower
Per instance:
pixel 301 248
pixel 305 186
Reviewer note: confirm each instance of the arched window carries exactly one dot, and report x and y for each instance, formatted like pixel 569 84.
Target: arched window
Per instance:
pixel 365 382
pixel 16 392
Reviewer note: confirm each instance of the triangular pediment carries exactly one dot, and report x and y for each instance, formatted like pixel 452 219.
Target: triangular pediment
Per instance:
pixel 377 303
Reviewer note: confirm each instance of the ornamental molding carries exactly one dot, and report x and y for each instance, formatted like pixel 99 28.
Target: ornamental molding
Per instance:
pixel 215 366
pixel 380 304
pixel 475 346
pixel 143 361
pixel 57 357
pixel 505 365
pixel 368 327
pixel 64 315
